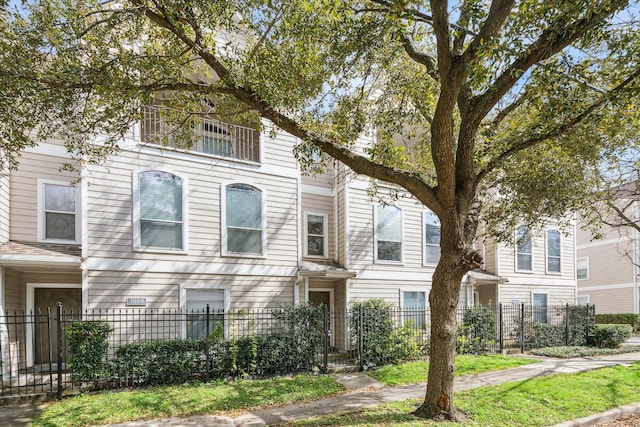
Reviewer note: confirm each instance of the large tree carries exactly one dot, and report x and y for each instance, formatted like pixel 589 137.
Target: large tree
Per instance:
pixel 513 102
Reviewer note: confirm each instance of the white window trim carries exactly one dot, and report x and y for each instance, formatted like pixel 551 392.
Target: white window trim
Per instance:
pixel 532 306
pixel 325 231
pixel 578 259
pixel 137 237
pixel 202 287
pixel 588 297
pixel 426 303
pixel 515 260
pixel 41 221
pixel 223 221
pixel 425 263
pixel 546 248
pixel 375 237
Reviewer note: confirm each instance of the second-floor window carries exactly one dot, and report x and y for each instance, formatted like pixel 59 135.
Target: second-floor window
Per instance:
pixel 59 216
pixel 243 220
pixel 524 249
pixel 161 216
pixel 316 234
pixel 431 238
pixel 388 233
pixel 554 245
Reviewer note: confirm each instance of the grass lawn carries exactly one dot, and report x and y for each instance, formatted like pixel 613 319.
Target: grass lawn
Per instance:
pixel 416 372
pixel 157 402
pixel 535 402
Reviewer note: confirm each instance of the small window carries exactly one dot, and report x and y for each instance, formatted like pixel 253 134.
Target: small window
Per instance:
pixel 539 303
pixel 160 211
pixel 388 233
pixel 316 234
pixel 196 315
pixel 554 248
pixel 59 216
pixel 431 238
pixel 243 220
pixel 414 306
pixel 582 268
pixel 524 253
pixel 582 299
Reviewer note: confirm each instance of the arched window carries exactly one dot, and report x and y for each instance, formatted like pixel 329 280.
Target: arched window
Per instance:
pixel 554 251
pixel 388 233
pixel 243 222
pixel 431 238
pixel 524 249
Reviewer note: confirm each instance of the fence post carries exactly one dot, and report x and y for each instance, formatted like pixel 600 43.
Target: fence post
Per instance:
pixel 59 340
pixel 522 328
pixel 566 326
pixel 325 347
pixel 206 347
pixel 360 338
pixel 500 328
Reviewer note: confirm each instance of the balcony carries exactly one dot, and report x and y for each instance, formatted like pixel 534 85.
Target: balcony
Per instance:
pixel 210 137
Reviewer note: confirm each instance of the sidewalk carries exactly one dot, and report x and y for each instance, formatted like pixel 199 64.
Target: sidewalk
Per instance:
pixel 366 392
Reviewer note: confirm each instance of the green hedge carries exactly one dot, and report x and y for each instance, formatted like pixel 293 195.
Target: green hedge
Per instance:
pixel 477 333
pixel 88 346
pixel 610 336
pixel 624 318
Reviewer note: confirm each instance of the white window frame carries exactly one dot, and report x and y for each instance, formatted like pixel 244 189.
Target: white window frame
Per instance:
pixel 424 239
pixel 533 294
pixel 426 304
pixel 137 235
pixel 587 297
pixel 547 256
pixel 223 221
pixel 517 268
pixel 202 287
pixel 325 237
pixel 375 236
pixel 577 261
pixel 41 217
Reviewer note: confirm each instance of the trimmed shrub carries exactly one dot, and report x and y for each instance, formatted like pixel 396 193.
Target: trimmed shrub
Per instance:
pixel 624 318
pixel 477 333
pixel 611 335
pixel 87 343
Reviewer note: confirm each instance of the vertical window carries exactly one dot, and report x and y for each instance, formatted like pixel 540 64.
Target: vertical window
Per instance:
pixel 161 210
pixel 431 238
pixel 414 306
pixel 554 244
pixel 539 307
pixel 582 268
pixel 60 218
pixel 388 233
pixel 196 315
pixel 244 220
pixel 316 233
pixel 524 254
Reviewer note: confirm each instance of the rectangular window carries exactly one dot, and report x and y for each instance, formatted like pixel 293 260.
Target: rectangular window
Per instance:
pixel 539 308
pixel 414 305
pixel 196 315
pixel 160 196
pixel 431 238
pixel 388 233
pixel 582 268
pixel 316 234
pixel 583 300
pixel 59 212
pixel 243 220
pixel 554 250
pixel 524 249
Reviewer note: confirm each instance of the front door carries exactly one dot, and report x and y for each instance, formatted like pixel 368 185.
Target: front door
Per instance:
pixel 320 298
pixel 46 344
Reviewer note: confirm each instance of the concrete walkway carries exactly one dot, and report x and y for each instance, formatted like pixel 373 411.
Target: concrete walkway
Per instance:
pixel 366 392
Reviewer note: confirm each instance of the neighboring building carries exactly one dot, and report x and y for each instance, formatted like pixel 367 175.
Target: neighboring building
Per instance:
pixel 233 224
pixel 607 267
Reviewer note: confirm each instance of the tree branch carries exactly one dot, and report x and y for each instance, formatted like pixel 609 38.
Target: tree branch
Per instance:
pixel 498 13
pixel 419 56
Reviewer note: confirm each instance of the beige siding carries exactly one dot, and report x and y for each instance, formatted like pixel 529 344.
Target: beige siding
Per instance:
pixel 342 224
pixel 607 266
pixel 557 294
pixel 4 208
pixel 611 300
pixel 277 149
pixel 313 203
pixel 389 291
pixel 14 291
pixel 24 190
pixel 110 289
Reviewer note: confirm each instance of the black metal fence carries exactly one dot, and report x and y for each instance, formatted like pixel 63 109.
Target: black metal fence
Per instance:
pixel 159 346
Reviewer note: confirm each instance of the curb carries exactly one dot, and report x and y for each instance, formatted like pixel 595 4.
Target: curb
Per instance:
pixel 603 417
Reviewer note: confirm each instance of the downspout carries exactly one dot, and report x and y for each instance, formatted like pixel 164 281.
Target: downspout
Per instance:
pixel 84 239
pixel 575 257
pixel 636 257
pixel 299 221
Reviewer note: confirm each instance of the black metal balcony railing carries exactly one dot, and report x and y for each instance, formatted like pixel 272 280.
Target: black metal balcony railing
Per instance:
pixel 210 136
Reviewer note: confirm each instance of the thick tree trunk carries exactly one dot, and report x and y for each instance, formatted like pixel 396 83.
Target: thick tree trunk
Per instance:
pixel 443 299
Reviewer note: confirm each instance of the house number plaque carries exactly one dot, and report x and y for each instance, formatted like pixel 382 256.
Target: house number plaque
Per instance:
pixel 136 301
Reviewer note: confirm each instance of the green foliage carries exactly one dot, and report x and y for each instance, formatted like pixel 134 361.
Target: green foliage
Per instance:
pixel 610 336
pixel 580 351
pixel 628 318
pixel 576 320
pixel 477 333
pixel 87 343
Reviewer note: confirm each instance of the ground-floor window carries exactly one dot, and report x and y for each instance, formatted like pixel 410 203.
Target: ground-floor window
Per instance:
pixel 414 305
pixel 196 306
pixel 539 302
